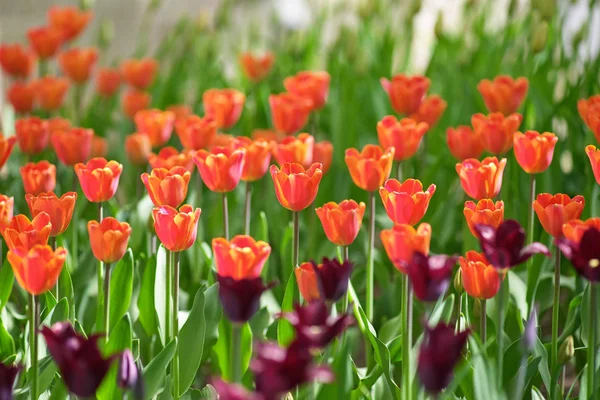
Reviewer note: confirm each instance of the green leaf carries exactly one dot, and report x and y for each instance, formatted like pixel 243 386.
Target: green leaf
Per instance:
pixel 46 372
pixel 145 303
pixel 119 340
pixel 540 351
pixel 60 312
pixel 442 311
pixel 121 287
pixel 7 344
pixel 285 331
pixel 208 392
pixel 191 343
pixel 160 293
pixel 154 373
pixel 6 283
pixel 573 317
pixel 345 376
pixel 212 316
pixel 246 348
pixel 65 290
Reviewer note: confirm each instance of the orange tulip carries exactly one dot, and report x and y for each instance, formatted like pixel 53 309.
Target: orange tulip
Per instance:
pixel 312 85
pixel 134 101
pixel 323 153
pixel 138 148
pixel 224 105
pixel 430 111
pixel 295 187
pixel 6 148
pixel 222 140
pixel 16 60
pixel 157 124
pixel 108 81
pixel 7 205
pixel 554 211
pixel 534 151
pixel 402 241
pixel 594 156
pixel 221 168
pixel 405 203
pixel 589 110
pixel 255 67
pixel 108 239
pixel 181 111
pixel 289 112
pixel 496 131
pixel 240 258
pixel 50 92
pixel 404 135
pixel 21 232
pixel 99 147
pixel 60 209
pixel 73 145
pixel 406 93
pixel 371 167
pixel 295 150
pixel 58 124
pixel 485 212
pixel 167 187
pixel 268 135
pixel 258 158
pixel 32 134
pixel 176 229
pixel 99 178
pixel 45 40
pixel 77 63
pixel 504 94
pixel 69 19
pixel 196 133
pixel 38 178
pixel 307 282
pixel 341 222
pixel 480 279
pixel 38 268
pixel 573 230
pixel 464 143
pixel 21 95
pixel 169 157
pixel 139 73
pixel 481 179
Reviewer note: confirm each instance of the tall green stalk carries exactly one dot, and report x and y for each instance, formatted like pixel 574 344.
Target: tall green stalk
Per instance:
pixel 406 336
pixel 168 297
pixel 370 273
pixel 530 225
pixel 225 216
pixel 500 331
pixel 236 352
pixel 591 343
pixel 175 324
pixel 483 322
pixel 106 295
pixel 52 240
pixel 555 310
pixel 34 321
pixel 247 208
pixel 101 320
pixel 296 239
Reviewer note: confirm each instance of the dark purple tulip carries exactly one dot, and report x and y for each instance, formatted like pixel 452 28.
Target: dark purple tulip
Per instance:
pixel 439 353
pixel 314 325
pixel 503 247
pixel 332 278
pixel 8 374
pixel 241 297
pixel 584 256
pixel 81 364
pixel 233 391
pixel 430 275
pixel 128 375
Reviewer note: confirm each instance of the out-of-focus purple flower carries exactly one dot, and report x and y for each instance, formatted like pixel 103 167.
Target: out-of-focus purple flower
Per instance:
pixel 241 298
pixel 503 246
pixel 439 353
pixel 530 332
pixel 81 364
pixel 332 278
pixel 8 374
pixel 430 275
pixel 584 256
pixel 233 391
pixel 128 375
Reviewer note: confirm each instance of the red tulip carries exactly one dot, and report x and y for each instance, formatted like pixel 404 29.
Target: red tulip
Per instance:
pixel 99 178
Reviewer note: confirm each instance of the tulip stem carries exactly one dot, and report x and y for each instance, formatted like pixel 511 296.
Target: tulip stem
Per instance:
pixel 53 245
pixel 225 216
pixel 101 317
pixel 591 342
pixel 236 351
pixel 107 299
pixel 399 170
pixel 74 238
pixel 345 301
pixel 168 297
pixel 34 320
pixel 406 336
pixel 247 208
pixel 500 331
pixel 175 324
pixel 555 309
pixel 530 225
pixel 483 322
pixel 369 277
pixel 296 238
pixel 458 312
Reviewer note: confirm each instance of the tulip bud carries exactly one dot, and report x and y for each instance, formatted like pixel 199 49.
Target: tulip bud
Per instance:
pixel 530 332
pixel 539 37
pixel 566 351
pixel 458 284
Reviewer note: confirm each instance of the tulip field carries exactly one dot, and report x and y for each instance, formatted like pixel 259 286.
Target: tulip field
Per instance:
pixel 300 214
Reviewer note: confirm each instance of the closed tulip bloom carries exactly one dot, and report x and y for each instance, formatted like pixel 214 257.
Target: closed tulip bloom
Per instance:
pixel 481 179
pixel 589 110
pixel 60 209
pixel 480 279
pixel 224 105
pixel 108 239
pixel 134 101
pixel 240 298
pixel 323 153
pixel 332 278
pixel 306 277
pixel 69 19
pixel 405 202
pixel 196 133
pixel 78 63
pixel 430 111
pixel 312 85
pixel 139 73
pixel 404 135
pixel 37 269
pixel 16 60
pixel 38 177
pixel 583 255
pixel 99 147
pixel 73 145
pixel 256 67
pixel 594 156
pixel 496 131
pixel 50 92
pixel 258 158
pixel 21 232
pixel 221 168
pixel 402 241
pixel 169 157
pixel 289 112
pixel 370 167
pixel 6 148
pixel 45 40
pixel 463 142
pixel 138 148
pixel 297 150
pixel 99 178
pixel 406 93
pixel 21 96
pixel 504 94
pixel 554 211
pixel 157 124
pixel 176 230
pixel 181 111
pixel 534 151
pixel 8 373
pixel 128 376
pixel 108 81
pixel 485 212
pixel 167 187
pixel 341 222
pixel 295 187
pixel 241 257
pixel 430 275
pixel 32 134
pixel 574 229
pixel 7 205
